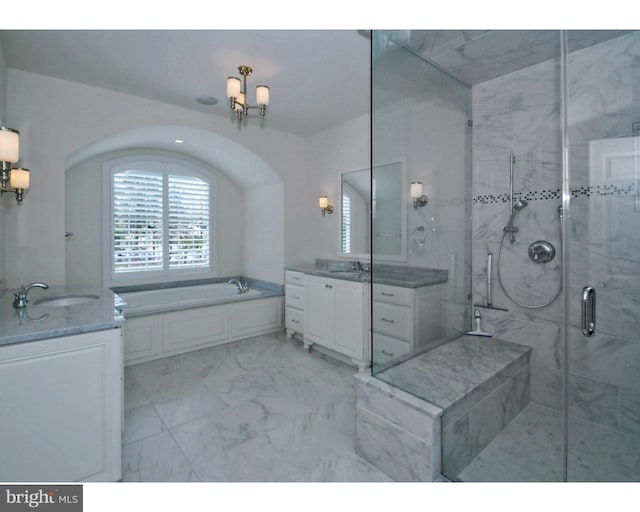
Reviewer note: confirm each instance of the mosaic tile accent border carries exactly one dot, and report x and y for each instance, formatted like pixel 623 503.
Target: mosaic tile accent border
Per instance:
pixel 539 195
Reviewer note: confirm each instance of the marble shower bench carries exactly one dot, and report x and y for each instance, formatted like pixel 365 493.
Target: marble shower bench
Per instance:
pixel 434 413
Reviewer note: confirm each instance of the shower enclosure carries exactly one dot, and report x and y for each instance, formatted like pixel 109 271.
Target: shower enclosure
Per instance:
pixel 527 145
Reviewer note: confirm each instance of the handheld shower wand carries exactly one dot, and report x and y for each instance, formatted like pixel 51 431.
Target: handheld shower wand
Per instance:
pixel 519 205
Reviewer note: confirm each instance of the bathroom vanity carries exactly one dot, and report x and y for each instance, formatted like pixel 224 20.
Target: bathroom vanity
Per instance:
pixel 329 312
pixel 61 387
pixel 328 304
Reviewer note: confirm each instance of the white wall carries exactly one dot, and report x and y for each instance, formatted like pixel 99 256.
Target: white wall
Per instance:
pixel 345 147
pixel 57 117
pixel 263 256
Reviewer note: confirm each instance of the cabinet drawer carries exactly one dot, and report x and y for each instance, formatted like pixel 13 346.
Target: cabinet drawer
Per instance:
pixel 294 296
pixel 386 349
pixel 294 277
pixel 395 321
pixel 294 319
pixel 391 294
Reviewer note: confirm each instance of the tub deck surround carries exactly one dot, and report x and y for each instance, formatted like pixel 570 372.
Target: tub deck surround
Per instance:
pixel 169 320
pixel 150 299
pixel 253 283
pixel 393 275
pixel 163 300
pixel 39 322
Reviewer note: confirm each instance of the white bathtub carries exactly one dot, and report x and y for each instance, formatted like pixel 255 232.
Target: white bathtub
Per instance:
pixel 172 299
pixel 171 321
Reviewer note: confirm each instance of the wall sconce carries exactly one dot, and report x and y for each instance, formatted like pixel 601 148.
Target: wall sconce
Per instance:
pixel 14 180
pixel 419 199
pixel 325 207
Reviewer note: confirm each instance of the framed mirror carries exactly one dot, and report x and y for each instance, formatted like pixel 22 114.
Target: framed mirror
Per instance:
pixel 360 204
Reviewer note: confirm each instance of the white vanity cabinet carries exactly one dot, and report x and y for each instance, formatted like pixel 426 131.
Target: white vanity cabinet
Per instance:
pixel 405 319
pixel 61 408
pixel 336 317
pixel 294 302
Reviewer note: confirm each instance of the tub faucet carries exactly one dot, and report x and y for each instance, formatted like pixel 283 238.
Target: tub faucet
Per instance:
pixel 242 288
pixel 21 299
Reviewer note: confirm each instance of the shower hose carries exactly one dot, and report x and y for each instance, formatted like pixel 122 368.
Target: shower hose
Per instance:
pixel 521 304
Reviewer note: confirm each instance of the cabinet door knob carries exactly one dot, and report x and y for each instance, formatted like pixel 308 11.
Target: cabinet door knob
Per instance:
pixel 387 294
pixel 387 320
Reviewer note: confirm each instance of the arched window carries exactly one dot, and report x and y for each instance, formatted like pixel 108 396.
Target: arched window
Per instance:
pixel 160 221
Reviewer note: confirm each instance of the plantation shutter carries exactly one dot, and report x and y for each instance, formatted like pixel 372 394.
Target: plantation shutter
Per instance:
pixel 346 222
pixel 137 221
pixel 188 222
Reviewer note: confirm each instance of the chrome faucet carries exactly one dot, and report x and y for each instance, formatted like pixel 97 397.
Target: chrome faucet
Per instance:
pixel 356 265
pixel 242 288
pixel 21 299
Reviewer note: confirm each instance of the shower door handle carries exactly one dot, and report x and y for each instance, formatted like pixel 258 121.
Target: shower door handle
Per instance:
pixel 588 311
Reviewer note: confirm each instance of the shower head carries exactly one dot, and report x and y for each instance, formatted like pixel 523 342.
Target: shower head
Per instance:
pixel 520 204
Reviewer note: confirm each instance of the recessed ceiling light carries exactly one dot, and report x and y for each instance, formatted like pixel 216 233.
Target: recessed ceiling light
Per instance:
pixel 207 100
pixel 178 141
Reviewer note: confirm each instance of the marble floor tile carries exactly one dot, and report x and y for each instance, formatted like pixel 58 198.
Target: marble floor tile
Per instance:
pixel 258 460
pixel 345 468
pixel 186 475
pixel 329 429
pixel 153 459
pixel 530 449
pixel 207 437
pixel 257 410
pixel 599 454
pixel 134 395
pixel 269 412
pixel 141 422
pixel 202 402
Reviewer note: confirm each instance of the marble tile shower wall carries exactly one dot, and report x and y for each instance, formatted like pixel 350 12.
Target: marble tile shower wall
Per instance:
pixel 604 371
pixel 519 113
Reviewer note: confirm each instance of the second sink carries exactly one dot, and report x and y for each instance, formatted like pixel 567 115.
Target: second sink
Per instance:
pixel 65 300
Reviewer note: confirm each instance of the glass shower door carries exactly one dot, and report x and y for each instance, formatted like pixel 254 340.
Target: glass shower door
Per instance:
pixel 603 235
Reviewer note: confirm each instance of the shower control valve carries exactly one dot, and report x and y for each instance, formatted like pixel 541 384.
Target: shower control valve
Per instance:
pixel 542 251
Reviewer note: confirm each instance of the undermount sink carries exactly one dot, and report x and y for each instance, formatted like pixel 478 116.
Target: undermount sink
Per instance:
pixel 65 300
pixel 348 273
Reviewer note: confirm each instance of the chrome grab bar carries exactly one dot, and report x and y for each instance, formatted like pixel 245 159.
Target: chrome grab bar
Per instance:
pixel 588 311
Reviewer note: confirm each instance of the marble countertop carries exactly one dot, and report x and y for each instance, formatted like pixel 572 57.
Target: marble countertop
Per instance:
pixel 393 275
pixel 37 322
